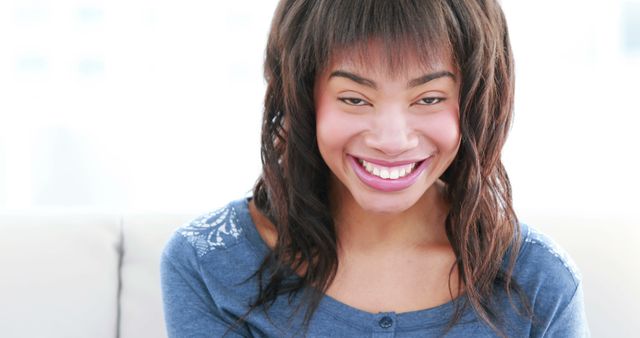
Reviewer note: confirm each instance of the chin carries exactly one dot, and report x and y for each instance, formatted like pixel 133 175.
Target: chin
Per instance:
pixel 386 204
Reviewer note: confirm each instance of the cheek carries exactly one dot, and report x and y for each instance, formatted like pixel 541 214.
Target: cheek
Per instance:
pixel 443 129
pixel 335 128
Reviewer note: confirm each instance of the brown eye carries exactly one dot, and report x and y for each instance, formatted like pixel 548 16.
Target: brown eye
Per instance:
pixel 352 101
pixel 428 101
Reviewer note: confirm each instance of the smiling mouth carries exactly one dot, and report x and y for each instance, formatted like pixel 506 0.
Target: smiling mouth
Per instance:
pixel 388 172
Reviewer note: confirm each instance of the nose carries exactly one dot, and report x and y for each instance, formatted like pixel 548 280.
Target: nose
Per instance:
pixel 392 133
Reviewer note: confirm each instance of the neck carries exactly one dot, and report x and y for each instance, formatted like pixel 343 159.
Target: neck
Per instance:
pixel 422 225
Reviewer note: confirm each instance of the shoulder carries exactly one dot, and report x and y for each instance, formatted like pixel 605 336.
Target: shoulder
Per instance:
pixel 214 241
pixel 552 283
pixel 541 259
pixel 203 266
pixel 218 229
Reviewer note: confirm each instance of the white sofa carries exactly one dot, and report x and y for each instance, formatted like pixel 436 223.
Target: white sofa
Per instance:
pixel 81 275
pixel 87 275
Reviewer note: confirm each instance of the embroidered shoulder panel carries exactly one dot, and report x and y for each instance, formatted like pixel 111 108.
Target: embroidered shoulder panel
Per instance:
pixel 217 229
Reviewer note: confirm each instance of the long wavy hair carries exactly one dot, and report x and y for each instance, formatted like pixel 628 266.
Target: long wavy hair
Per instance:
pixel 292 191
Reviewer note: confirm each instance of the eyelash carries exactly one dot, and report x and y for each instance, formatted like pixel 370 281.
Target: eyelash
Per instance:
pixel 436 99
pixel 349 101
pixel 426 101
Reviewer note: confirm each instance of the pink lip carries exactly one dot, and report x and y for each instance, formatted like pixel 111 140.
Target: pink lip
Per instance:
pixel 387 163
pixel 386 185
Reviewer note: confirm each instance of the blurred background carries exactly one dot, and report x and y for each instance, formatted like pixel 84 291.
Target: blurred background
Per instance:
pixel 155 106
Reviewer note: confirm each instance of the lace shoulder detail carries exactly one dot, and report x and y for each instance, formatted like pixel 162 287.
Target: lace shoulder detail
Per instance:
pixel 217 229
pixel 534 236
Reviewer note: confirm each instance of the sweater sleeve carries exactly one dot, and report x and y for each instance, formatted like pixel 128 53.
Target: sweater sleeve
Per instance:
pixel 572 320
pixel 189 309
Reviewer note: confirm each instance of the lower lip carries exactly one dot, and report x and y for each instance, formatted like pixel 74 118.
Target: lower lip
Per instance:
pixel 387 185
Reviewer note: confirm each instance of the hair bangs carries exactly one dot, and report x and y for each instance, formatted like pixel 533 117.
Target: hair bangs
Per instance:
pixel 396 34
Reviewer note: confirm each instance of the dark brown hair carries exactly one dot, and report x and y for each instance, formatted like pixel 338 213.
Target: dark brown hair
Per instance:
pixel 292 191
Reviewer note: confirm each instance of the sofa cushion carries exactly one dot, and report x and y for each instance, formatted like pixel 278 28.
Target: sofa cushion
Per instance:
pixel 141 298
pixel 59 275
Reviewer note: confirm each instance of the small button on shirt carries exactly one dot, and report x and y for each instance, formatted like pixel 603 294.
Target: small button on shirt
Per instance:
pixel 385 325
pixel 386 322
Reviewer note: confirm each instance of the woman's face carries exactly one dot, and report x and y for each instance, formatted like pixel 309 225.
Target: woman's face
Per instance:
pixel 386 138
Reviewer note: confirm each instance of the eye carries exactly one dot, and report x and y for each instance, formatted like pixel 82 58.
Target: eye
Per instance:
pixel 353 101
pixel 429 101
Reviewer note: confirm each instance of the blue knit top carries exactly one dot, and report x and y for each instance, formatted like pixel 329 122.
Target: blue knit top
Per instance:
pixel 208 281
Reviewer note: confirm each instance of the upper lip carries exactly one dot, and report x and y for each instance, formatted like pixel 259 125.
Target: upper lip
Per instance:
pixel 389 163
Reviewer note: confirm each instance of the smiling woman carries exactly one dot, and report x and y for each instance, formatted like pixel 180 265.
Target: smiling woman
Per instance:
pixel 383 208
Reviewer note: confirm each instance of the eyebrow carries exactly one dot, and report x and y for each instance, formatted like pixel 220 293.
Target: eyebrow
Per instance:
pixel 429 77
pixel 413 83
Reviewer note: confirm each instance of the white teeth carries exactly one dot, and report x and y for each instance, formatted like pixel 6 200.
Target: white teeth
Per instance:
pixel 394 174
pixel 391 173
pixel 384 173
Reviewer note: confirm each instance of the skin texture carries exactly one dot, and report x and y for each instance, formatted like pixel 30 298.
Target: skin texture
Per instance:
pixel 392 247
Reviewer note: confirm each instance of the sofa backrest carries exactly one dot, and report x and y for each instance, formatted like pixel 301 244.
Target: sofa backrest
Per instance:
pixel 66 275
pixel 144 237
pixel 59 275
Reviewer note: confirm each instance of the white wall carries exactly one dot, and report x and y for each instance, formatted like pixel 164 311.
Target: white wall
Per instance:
pixel 130 105
pixel 155 105
pixel 572 148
